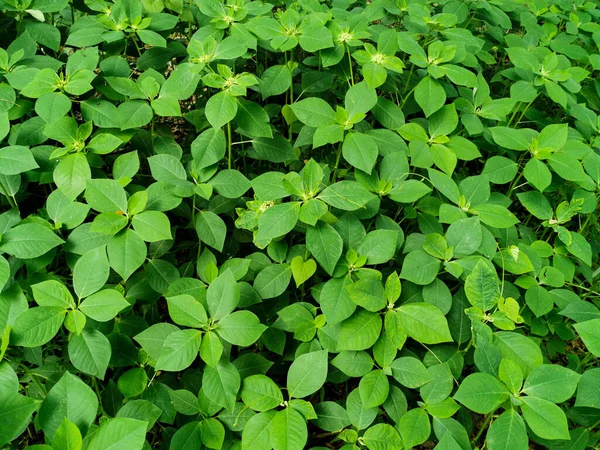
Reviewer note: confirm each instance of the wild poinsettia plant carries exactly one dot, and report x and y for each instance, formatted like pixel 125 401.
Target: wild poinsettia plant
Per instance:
pixel 299 224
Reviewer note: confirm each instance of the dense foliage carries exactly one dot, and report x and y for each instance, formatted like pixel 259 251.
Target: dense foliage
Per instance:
pixel 289 224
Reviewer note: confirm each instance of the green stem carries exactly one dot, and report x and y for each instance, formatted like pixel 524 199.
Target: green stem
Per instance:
pixel 137 47
pixel 410 73
pixel 407 97
pixel 11 202
pixel 482 429
pixel 337 162
pixel 350 65
pixel 229 145
pixel 190 21
pixel 525 110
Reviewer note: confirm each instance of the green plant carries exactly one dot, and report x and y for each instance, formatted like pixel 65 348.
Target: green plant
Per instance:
pixel 261 225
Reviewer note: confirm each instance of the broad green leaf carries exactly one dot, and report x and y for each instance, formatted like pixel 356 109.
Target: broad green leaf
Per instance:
pixel 544 418
pixel 430 95
pixel 288 430
pixel 360 331
pixel 221 109
pixel 221 383
pixel 126 253
pixel 589 332
pixel 104 305
pixel 482 393
pixel 260 393
pixel 241 328
pixel 277 221
pixel 179 351
pixel 152 226
pixel 346 195
pixel 325 244
pixel 91 272
pixel 90 352
pixel 419 267
pixel 223 295
pixel 410 372
pixel 552 382
pixel 69 398
pixel 16 159
pixel 507 432
pixel 120 432
pixel 29 240
pixel 482 287
pixel 37 326
pixel 211 229
pixel 374 388
pixel 414 427
pixel 424 323
pixel 307 374
pixel 15 414
pixel 52 293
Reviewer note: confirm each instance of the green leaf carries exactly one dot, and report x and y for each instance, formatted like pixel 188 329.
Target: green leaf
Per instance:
pixel 482 287
pixel 419 267
pixel 241 328
pixel 275 80
pixel 495 215
pixel 67 437
pixel 588 390
pixel 126 253
pixel 69 398
pixel 544 418
pixel 360 151
pixel 273 280
pixel 374 388
pixel 91 272
pixel 30 240
pixel 360 331
pixel 221 383
pixel 104 305
pixel 186 311
pixel 414 427
pixel 221 109
pixel 314 112
pixel 552 382
pixel 37 326
pixel 288 430
pixel 223 295
pixel 424 323
pixel 325 244
pixel 15 414
pixel 430 95
pixel 90 352
pixel 52 293
pixel 536 204
pixel 481 393
pixel 211 229
pixel 589 332
pixel 260 393
pixel 410 372
pixel 277 221
pixel 508 432
pixel 134 114
pixel 52 106
pixel 307 374
pixel 106 196
pixel 378 246
pixel 120 432
pixel 152 226
pixel 179 351
pixel 382 437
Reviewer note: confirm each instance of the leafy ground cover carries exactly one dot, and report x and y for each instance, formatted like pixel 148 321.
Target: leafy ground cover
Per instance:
pixel 333 224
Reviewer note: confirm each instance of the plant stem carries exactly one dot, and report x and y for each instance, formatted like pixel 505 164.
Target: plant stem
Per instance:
pixel 229 145
pixel 482 428
pixel 350 65
pixel 337 162
pixel 11 202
